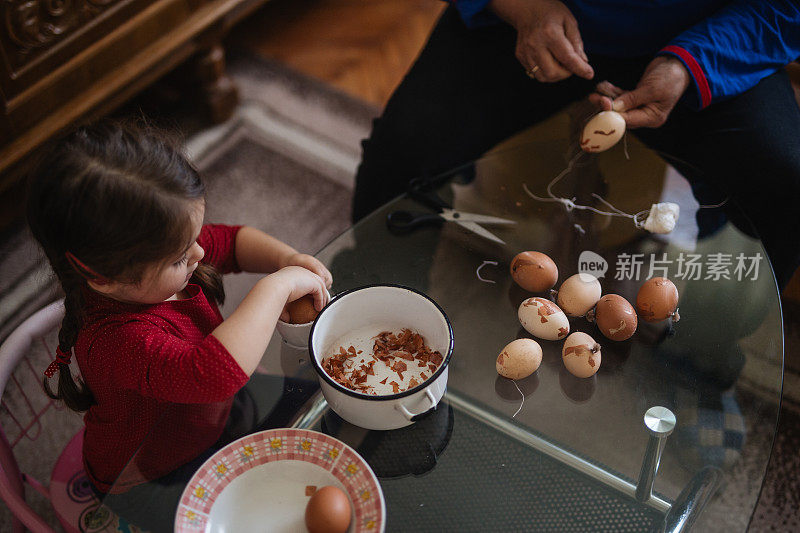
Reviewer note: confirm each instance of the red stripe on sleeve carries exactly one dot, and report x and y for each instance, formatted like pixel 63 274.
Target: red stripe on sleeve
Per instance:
pixel 696 71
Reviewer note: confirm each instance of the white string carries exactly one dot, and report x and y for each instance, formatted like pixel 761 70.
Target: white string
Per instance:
pixel 579 228
pixel 478 271
pixel 569 204
pixel 523 398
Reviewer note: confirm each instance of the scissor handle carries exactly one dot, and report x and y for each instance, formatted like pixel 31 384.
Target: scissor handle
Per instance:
pixel 406 221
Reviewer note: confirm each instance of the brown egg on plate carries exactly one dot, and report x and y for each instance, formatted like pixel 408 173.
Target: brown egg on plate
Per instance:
pixel 519 359
pixel 328 511
pixel 579 294
pixel 581 355
pixel 657 300
pixel 534 271
pixel 302 311
pixel 615 317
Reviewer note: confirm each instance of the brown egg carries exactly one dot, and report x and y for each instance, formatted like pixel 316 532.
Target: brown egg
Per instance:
pixel 328 511
pixel 534 271
pixel 581 355
pixel 657 299
pixel 302 311
pixel 578 294
pixel 519 359
pixel 615 317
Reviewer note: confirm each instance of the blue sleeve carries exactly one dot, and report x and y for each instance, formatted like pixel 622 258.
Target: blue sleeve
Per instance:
pixel 474 13
pixel 731 51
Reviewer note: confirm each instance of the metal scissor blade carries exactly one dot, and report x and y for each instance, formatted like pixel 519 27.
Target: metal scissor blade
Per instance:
pixel 475 228
pixel 457 216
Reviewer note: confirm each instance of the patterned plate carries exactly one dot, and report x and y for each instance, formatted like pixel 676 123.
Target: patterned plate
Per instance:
pixel 258 483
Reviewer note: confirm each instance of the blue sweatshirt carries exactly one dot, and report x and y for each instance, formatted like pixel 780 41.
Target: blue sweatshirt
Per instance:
pixel 727 46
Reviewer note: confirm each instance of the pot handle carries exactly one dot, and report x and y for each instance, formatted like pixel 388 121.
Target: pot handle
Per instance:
pixel 409 415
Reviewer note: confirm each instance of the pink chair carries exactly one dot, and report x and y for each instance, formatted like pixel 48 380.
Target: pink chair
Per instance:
pixel 75 504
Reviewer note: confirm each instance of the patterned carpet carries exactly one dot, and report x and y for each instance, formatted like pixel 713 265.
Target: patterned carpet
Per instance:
pixel 285 163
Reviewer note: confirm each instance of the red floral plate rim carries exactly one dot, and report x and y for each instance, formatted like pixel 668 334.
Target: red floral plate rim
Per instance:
pixel 282 445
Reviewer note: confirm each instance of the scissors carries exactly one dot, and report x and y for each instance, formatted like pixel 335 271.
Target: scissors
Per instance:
pixel 400 222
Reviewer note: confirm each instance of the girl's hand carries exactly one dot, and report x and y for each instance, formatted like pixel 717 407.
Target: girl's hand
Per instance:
pixel 300 281
pixel 548 40
pixel 311 263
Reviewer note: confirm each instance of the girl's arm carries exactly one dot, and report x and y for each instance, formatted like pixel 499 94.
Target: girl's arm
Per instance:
pixel 258 252
pixel 247 331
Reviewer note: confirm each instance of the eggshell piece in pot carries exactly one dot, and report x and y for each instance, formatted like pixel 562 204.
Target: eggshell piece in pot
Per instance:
pixel 603 131
pixel 578 294
pixel 328 511
pixel 534 271
pixel 519 359
pixel 544 319
pixel 581 355
pixel 615 317
pixel 657 299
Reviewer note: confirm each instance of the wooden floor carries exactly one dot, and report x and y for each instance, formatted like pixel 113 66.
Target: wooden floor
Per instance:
pixel 363 47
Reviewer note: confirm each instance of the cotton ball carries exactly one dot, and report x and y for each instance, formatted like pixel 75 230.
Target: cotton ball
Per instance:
pixel 662 217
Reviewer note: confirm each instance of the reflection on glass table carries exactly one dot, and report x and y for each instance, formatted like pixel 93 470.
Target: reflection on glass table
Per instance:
pixel 571 455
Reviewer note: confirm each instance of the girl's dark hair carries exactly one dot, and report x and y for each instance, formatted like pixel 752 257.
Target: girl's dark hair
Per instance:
pixel 118 197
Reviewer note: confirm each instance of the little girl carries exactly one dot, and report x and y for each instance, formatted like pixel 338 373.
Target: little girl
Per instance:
pixel 119 213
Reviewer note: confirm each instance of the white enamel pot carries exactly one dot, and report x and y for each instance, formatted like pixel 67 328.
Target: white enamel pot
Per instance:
pixel 392 307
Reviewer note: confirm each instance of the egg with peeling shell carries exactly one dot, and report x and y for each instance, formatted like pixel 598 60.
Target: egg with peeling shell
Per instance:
pixel 581 355
pixel 603 131
pixel 519 359
pixel 615 317
pixel 657 300
pixel 544 319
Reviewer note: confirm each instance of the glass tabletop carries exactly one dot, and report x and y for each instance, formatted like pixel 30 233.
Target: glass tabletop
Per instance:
pixel 570 455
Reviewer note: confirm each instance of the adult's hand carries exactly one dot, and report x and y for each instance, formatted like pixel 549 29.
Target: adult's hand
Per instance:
pixel 547 38
pixel 649 105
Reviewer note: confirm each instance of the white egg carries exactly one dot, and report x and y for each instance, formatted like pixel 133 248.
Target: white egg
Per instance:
pixel 581 355
pixel 578 294
pixel 544 319
pixel 519 359
pixel 602 132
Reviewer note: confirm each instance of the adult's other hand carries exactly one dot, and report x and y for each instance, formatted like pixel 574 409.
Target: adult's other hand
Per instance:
pixel 547 38
pixel 649 105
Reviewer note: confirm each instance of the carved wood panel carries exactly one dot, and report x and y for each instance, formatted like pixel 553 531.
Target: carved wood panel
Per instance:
pixel 37 36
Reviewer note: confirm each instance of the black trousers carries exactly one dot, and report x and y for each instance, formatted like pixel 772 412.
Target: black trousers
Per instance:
pixel 466 92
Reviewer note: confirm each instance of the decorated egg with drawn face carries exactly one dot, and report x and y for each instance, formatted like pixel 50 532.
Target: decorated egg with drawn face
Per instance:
pixel 603 131
pixel 544 319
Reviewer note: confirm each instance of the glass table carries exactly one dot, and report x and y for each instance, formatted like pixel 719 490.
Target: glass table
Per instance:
pixel 571 456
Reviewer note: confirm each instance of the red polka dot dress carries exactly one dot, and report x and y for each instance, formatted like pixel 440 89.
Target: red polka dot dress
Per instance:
pixel 163 385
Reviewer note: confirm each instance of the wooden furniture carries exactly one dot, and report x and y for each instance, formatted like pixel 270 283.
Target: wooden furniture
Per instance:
pixel 62 61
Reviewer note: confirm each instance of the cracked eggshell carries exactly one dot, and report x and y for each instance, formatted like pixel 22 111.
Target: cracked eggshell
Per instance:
pixel 578 294
pixel 603 131
pixel 544 319
pixel 657 299
pixel 534 271
pixel 615 317
pixel 581 355
pixel 519 359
